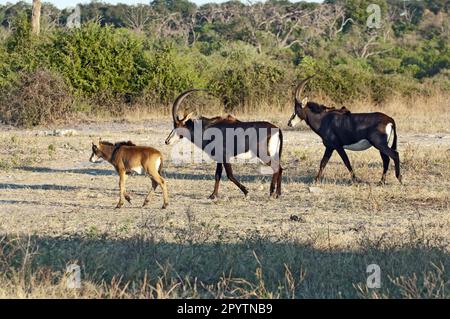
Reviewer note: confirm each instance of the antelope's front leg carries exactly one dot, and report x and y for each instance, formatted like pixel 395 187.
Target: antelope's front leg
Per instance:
pixel 323 163
pixel 346 161
pixel 218 176
pixel 122 177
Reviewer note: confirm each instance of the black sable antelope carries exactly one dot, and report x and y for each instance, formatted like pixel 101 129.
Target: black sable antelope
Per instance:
pixel 340 130
pixel 233 138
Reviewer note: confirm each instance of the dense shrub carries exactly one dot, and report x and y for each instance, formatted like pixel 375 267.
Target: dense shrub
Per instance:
pixel 170 72
pixel 120 59
pixel 245 78
pixel 342 82
pixel 38 97
pixel 96 59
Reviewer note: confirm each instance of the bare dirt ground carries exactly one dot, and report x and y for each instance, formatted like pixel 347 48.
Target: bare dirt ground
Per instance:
pixel 49 189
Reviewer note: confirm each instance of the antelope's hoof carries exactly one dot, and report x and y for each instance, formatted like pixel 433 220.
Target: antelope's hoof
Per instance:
pixel 400 179
pixel 128 198
pixel 145 203
pixel 213 196
pixel 119 205
pixel 356 180
pixel 164 206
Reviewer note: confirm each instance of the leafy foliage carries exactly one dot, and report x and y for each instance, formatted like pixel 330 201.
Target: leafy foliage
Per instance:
pixel 248 55
pixel 97 59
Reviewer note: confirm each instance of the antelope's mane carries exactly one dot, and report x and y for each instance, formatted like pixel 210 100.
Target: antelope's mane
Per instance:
pixel 320 108
pixel 118 144
pixel 217 119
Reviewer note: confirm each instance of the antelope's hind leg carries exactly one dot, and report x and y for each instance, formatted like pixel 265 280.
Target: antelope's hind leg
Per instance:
pixel 387 151
pixel 276 181
pixel 147 198
pixel 280 175
pixel 153 171
pixel 272 184
pixel 386 160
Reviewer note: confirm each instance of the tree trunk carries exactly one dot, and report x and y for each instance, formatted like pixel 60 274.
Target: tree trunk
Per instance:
pixel 36 17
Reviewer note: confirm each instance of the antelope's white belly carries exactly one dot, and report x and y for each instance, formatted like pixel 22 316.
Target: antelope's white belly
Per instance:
pixel 244 156
pixel 139 170
pixel 359 146
pixel 247 157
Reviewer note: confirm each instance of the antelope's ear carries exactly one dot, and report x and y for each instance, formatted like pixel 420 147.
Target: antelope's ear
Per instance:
pixel 188 117
pixel 304 102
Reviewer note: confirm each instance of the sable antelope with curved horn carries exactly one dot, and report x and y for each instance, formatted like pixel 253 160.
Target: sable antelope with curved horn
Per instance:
pixel 232 138
pixel 340 130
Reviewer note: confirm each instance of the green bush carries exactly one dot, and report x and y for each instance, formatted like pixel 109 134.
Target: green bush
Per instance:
pixel 342 82
pixel 97 59
pixel 169 72
pixel 112 69
pixel 245 78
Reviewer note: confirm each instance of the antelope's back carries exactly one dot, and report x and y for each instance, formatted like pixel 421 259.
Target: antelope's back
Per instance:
pixel 139 153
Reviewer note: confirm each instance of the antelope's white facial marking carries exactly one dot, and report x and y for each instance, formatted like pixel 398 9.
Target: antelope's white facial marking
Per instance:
pixel 294 120
pixel 95 159
pixel 173 136
pixel 362 145
pixel 274 144
pixel 389 131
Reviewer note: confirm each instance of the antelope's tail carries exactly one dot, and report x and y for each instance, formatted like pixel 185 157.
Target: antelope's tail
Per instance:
pixel 160 166
pixel 281 146
pixel 394 142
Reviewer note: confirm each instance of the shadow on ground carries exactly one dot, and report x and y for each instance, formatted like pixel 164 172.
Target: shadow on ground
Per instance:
pixel 175 175
pixel 39 187
pixel 252 265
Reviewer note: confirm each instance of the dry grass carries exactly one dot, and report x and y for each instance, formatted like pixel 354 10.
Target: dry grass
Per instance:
pixel 57 209
pixel 415 114
pixel 418 114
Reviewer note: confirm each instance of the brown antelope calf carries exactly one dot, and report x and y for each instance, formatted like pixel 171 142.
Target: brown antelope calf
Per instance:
pixel 126 158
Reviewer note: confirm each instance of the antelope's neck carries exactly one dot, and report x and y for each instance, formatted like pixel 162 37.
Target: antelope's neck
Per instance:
pixel 195 126
pixel 313 120
pixel 107 151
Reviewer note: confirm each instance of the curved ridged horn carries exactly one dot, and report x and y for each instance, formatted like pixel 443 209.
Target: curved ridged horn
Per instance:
pixel 179 99
pixel 300 87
